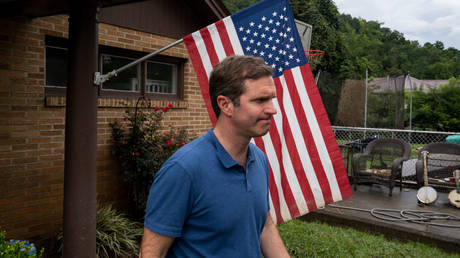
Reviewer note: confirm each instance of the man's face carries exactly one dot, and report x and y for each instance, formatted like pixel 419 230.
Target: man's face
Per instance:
pixel 252 117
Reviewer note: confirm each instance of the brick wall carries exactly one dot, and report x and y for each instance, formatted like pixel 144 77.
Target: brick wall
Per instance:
pixel 32 126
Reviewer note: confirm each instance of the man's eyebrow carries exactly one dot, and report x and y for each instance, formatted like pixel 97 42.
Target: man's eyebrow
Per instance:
pixel 266 97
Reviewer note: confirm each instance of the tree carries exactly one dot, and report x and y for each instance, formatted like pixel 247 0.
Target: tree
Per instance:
pixel 386 52
pixel 437 109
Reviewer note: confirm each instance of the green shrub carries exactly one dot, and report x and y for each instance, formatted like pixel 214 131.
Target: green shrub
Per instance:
pixel 17 249
pixel 116 236
pixel 142 145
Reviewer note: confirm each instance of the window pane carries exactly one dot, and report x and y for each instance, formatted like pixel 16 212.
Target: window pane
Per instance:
pixel 161 78
pixel 127 80
pixel 56 67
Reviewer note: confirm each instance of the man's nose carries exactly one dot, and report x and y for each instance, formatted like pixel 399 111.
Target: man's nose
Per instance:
pixel 270 109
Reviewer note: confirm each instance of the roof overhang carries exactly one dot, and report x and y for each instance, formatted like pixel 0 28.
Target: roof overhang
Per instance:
pixel 40 8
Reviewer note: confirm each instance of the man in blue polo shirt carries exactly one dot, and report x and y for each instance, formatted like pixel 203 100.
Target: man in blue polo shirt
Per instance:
pixel 210 199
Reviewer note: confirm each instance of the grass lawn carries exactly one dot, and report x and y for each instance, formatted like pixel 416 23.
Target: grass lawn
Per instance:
pixel 314 239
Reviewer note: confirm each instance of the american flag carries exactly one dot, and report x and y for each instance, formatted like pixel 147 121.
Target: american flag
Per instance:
pixel 306 167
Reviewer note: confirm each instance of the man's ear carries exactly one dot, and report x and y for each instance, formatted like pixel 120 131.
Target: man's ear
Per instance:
pixel 225 105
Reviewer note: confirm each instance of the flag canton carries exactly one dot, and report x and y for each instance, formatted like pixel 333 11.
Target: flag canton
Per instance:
pixel 272 35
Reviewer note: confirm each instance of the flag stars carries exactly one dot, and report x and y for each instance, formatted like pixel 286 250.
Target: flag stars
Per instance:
pixel 271 38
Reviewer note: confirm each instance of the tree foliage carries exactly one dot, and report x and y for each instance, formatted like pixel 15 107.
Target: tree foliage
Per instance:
pixel 436 110
pixel 386 52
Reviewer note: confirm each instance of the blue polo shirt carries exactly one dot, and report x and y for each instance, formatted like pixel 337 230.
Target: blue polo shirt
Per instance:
pixel 208 202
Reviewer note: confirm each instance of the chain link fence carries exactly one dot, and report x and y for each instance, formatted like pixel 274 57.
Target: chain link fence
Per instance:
pixel 354 140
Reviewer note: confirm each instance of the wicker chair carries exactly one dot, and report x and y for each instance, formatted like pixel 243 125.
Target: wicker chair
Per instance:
pixel 381 162
pixel 443 158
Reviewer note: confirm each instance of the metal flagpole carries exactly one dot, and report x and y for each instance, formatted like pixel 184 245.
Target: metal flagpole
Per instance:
pixel 365 105
pixel 99 78
pixel 317 77
pixel 410 102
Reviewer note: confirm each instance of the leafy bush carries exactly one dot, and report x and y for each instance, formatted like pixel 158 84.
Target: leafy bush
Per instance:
pixel 116 236
pixel 143 147
pixel 17 249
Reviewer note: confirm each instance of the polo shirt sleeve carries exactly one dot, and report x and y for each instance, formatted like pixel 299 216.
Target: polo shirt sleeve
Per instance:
pixel 169 202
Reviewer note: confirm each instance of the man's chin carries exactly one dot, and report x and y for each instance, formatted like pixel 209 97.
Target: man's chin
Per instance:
pixel 261 133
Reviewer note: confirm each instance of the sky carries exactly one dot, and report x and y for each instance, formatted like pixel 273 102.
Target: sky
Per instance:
pixel 421 20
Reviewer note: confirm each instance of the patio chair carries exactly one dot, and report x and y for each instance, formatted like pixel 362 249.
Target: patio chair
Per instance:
pixel 381 162
pixel 443 158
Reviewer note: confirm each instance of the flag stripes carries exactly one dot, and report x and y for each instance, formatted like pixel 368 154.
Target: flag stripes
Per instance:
pixel 306 167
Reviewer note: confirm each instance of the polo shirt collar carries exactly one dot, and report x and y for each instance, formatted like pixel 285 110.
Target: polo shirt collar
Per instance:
pixel 225 158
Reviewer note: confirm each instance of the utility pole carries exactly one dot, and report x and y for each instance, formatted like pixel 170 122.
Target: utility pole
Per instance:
pixel 365 104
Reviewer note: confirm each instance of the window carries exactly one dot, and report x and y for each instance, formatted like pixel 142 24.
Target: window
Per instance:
pixel 160 77
pixel 127 80
pixel 56 66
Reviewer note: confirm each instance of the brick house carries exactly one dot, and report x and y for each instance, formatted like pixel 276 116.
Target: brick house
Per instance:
pixel 33 80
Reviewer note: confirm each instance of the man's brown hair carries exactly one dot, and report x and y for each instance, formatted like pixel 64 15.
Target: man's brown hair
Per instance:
pixel 229 76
